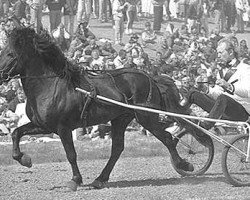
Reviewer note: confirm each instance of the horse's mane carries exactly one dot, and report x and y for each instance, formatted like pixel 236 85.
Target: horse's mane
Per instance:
pixel 42 45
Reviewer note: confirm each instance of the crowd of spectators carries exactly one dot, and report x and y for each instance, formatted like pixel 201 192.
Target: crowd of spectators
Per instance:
pixel 187 54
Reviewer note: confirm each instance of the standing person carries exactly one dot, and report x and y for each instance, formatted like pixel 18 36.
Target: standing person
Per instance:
pixel 103 5
pixel 203 14
pixel 241 7
pixel 21 9
pixel 191 15
pixel 158 14
pixel 6 6
pixel 168 13
pixel 220 19
pixel 69 15
pixel 131 13
pixel 118 8
pixel 36 7
pixel 230 13
pixel 83 11
pixel 55 12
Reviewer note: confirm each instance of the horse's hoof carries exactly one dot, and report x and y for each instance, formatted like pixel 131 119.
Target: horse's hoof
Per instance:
pixel 72 185
pixel 26 161
pixel 97 184
pixel 186 166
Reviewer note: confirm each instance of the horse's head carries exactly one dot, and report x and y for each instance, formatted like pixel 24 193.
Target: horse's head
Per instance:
pixel 16 52
pixel 8 64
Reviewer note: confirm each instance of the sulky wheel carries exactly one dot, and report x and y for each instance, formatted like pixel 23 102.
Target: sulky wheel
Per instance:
pixel 190 149
pixel 234 165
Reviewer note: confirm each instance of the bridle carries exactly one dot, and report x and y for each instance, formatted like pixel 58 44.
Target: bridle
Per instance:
pixel 5 74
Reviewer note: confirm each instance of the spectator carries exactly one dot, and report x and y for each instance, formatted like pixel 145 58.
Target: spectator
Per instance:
pixel 92 46
pixel 75 49
pixel 36 7
pixel 62 37
pixel 191 16
pixel 243 50
pixel 7 118
pixel 20 111
pixel 21 9
pixel 203 14
pixel 108 51
pixel 219 11
pixel 158 64
pixel 103 17
pixel 69 15
pixel 133 45
pixel 118 8
pixel 121 59
pixel 241 7
pixel 130 63
pixel 158 14
pixel 148 35
pixel 98 62
pixel 20 98
pixel 131 15
pixel 3 36
pixel 230 14
pixel 83 11
pixel 55 15
pixel 83 33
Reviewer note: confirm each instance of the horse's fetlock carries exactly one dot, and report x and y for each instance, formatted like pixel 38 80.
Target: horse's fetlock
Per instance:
pixel 17 156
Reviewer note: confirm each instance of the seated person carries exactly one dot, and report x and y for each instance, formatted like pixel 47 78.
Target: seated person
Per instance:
pixel 98 62
pixel 184 35
pixel 61 37
pixel 130 63
pixel 133 45
pixel 121 59
pixel 8 118
pixel 148 36
pixel 108 51
pixel 234 102
pixel 92 46
pixel 75 49
pixel 158 64
pixel 20 98
pixel 243 50
pixel 21 112
pixel 83 33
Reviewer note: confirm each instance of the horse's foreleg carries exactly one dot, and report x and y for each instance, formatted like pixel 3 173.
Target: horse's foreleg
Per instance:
pixel 118 127
pixel 27 129
pixel 67 141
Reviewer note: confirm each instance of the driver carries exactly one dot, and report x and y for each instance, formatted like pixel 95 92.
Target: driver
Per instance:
pixel 233 101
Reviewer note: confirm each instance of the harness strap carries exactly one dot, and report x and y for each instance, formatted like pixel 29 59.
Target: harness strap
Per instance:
pixel 88 101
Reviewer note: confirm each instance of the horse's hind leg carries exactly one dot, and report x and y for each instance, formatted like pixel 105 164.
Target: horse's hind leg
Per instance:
pixel 118 127
pixel 152 124
pixel 27 129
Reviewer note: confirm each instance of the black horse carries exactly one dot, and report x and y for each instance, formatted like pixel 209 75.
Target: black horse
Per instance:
pixel 53 104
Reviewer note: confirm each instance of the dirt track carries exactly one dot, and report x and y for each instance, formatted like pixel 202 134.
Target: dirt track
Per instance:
pixel 132 178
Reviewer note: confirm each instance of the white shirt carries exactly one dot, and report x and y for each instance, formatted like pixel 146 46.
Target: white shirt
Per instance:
pixel 242 86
